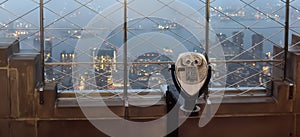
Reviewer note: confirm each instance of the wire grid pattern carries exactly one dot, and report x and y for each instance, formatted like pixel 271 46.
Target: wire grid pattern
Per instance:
pixel 246 31
pixel 20 22
pixel 295 20
pixel 245 28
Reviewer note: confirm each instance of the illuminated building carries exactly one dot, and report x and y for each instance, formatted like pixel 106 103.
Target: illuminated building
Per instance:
pixel 142 76
pixel 104 65
pixel 257 54
pixel 19 28
pixel 66 81
pixel 48 59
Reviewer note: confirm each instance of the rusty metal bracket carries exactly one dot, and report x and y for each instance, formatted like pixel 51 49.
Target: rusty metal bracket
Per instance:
pixel 40 89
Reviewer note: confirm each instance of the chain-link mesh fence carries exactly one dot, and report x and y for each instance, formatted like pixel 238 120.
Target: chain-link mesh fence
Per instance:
pixel 247 31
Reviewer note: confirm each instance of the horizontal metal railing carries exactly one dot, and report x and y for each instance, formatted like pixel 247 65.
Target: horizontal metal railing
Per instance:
pixel 168 62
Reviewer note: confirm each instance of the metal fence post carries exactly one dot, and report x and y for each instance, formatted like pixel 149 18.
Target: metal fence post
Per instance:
pixel 207 16
pixel 125 97
pixel 42 34
pixel 286 36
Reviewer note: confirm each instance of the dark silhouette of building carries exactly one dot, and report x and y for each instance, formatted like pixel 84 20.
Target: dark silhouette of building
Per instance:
pixel 229 47
pixel 243 74
pixel 238 40
pixel 257 46
pixel 230 51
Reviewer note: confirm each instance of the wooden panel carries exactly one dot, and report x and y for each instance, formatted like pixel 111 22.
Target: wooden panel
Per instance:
pixel 76 112
pixel 258 126
pixel 4 94
pixel 4 128
pixel 46 110
pixel 293 73
pixel 24 96
pixel 14 92
pixel 3 58
pixel 297 128
pixel 83 128
pixel 152 111
pixel 292 67
pixel 65 128
pixel 24 128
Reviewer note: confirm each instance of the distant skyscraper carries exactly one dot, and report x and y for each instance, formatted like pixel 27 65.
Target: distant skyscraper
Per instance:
pixel 257 54
pixel 144 76
pixel 242 74
pixel 48 59
pixel 229 53
pixel 36 42
pixel 66 70
pixel 104 65
pixel 257 46
pixel 238 40
pixel 93 53
pixel 48 50
pixel 221 37
pixel 228 46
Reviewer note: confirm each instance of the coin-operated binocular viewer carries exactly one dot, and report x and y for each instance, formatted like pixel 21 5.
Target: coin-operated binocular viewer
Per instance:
pixel 191 75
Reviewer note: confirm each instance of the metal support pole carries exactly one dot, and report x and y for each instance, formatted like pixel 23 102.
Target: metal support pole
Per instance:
pixel 42 34
pixel 172 118
pixel 207 26
pixel 42 61
pixel 125 97
pixel 286 36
